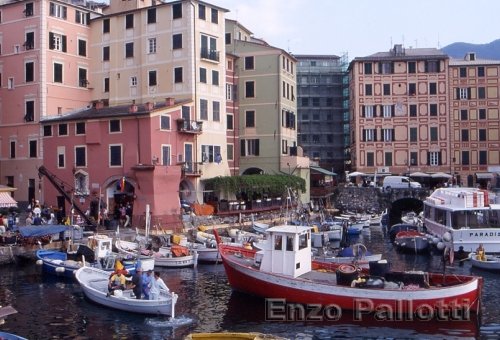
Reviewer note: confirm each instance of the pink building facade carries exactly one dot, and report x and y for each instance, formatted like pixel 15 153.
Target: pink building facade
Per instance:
pixel 120 155
pixel 44 69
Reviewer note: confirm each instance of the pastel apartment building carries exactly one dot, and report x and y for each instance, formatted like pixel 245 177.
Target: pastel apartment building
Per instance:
pixel 399 111
pixel 474 116
pixel 45 68
pixel 267 97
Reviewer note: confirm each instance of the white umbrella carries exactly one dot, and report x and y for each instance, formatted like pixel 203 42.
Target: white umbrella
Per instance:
pixel 356 173
pixel 441 175
pixel 419 174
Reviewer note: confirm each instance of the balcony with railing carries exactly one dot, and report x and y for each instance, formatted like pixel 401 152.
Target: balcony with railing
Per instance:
pixel 189 126
pixel 209 54
pixel 190 169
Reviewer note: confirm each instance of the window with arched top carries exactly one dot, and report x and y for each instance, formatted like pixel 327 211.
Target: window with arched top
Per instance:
pixel 81 183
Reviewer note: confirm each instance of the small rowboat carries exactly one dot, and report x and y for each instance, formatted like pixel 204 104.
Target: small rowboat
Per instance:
pixel 490 262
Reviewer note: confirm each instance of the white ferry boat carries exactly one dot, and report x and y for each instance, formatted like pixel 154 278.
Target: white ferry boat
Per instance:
pixel 463 217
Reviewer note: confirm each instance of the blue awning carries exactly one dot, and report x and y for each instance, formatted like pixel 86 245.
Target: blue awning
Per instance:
pixel 42 230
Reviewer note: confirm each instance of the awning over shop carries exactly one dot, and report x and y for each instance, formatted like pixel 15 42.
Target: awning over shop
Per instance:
pixel 6 200
pixel 484 175
pixel 42 230
pixel 323 171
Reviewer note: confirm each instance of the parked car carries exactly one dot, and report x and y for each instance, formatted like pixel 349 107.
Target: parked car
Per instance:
pixel 399 182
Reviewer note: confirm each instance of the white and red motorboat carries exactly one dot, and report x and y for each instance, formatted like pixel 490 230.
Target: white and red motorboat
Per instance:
pixel 284 270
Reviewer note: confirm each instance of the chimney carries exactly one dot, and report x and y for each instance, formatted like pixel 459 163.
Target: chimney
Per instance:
pixel 99 105
pixel 149 106
pixel 170 101
pixel 133 107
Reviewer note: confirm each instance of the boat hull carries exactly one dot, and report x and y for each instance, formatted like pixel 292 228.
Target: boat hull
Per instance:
pixel 249 279
pixel 492 263
pixel 56 263
pixel 94 283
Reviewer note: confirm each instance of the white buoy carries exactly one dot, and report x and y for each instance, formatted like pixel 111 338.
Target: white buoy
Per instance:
pixel 59 269
pixel 440 245
pixel 447 236
pixel 435 240
pixel 39 262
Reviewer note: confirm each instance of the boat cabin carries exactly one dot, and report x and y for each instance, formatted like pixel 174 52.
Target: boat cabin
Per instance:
pixel 289 252
pixel 101 244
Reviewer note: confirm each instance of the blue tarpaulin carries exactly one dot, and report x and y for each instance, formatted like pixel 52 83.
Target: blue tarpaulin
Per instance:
pixel 42 230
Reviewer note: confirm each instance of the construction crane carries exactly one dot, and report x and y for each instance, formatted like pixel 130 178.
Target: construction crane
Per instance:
pixel 59 185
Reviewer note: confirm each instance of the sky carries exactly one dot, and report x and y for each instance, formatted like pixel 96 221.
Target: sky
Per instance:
pixel 364 27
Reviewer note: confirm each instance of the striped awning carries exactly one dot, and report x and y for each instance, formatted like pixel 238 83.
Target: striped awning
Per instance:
pixel 6 200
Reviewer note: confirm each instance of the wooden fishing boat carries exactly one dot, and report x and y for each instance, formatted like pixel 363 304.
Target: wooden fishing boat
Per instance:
pixel 355 254
pixel 411 241
pixel 94 283
pixel 96 253
pixel 285 271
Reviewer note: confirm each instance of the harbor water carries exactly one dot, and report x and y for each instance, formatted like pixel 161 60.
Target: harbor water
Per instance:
pixel 54 308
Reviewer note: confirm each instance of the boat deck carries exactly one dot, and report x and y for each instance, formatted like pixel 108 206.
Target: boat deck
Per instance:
pixel 324 277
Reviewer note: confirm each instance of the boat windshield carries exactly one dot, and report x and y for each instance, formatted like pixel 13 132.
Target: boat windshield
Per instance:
pixel 475 219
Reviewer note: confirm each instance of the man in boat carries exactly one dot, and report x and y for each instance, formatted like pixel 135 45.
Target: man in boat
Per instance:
pixel 480 254
pixel 137 283
pixel 117 281
pixel 156 286
pixel 146 282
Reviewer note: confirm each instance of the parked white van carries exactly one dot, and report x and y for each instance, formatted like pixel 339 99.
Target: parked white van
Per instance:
pixel 399 182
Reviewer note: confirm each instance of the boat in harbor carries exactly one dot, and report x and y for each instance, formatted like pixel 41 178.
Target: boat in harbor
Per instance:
pixel 285 270
pixel 463 217
pixel 485 262
pixel 399 227
pixel 96 253
pixel 356 254
pixel 94 283
pixel 411 241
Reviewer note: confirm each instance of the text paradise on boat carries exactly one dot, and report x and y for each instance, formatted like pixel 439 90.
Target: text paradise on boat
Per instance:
pixel 463 217
pixel 285 271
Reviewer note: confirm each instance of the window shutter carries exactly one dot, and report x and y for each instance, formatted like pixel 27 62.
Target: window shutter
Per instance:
pixel 64 43
pixel 379 68
pixel 439 158
pixel 392 67
pixel 242 147
pixel 426 67
pixel 88 19
pixel 393 135
pixel 51 40
pixel 375 135
pixel 393 110
pixel 364 135
pixel 469 93
pixel 363 111
pixel 256 147
pixel 457 93
pixel 428 158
